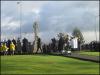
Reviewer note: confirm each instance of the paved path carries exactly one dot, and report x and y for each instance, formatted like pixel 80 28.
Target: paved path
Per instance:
pixel 82 57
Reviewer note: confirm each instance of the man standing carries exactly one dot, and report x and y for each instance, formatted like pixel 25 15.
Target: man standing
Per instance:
pixel 19 48
pixel 39 45
pixel 8 44
pixel 60 44
pixel 25 47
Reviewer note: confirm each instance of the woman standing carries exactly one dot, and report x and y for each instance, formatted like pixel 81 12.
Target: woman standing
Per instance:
pixel 12 48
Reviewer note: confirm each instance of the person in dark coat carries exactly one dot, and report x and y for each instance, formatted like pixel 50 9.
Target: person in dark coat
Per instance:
pixel 39 45
pixel 25 46
pixel 60 44
pixel 19 47
pixel 8 45
pixel 30 48
pixel 53 44
pixel 44 49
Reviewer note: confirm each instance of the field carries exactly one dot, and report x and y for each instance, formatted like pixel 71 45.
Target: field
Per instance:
pixel 46 64
pixel 90 53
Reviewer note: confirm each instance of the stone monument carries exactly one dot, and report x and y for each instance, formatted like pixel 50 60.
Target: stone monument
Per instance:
pixel 36 29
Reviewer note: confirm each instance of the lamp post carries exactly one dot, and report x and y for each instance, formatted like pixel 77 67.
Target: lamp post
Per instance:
pixel 20 16
pixel 95 33
pixel 96 29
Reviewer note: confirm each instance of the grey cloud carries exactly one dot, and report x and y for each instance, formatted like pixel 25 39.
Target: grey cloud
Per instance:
pixel 57 17
pixel 74 15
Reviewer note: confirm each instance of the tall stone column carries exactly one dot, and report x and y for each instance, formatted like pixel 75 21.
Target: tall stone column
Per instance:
pixel 35 27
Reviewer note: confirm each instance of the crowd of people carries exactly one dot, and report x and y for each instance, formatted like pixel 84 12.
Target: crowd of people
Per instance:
pixel 4 49
pixel 11 47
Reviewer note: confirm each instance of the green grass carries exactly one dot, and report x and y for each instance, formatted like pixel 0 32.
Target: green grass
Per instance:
pixel 46 64
pixel 90 53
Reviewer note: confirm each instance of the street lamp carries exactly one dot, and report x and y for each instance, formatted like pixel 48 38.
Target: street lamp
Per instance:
pixel 96 29
pixel 20 9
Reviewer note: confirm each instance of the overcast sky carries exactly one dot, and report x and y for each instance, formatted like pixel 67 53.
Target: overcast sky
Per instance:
pixel 54 17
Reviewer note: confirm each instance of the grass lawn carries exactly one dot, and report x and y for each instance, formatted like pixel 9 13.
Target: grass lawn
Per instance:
pixel 46 64
pixel 90 53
